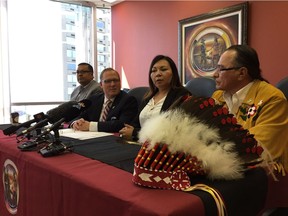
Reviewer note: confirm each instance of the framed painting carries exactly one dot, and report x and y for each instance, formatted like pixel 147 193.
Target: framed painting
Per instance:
pixel 203 38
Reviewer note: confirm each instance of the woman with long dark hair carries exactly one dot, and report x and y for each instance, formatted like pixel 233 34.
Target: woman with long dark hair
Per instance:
pixel 164 89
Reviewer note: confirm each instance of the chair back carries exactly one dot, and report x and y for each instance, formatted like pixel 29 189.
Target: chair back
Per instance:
pixel 201 86
pixel 283 86
pixel 138 93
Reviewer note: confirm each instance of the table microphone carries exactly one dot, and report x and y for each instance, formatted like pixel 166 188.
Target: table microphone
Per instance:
pixel 64 113
pixel 71 113
pixel 11 130
pixel 51 116
pixel 57 147
pixel 55 115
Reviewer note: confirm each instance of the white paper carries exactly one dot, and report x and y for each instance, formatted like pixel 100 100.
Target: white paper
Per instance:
pixel 82 135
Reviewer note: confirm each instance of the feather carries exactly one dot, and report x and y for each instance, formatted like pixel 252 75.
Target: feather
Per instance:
pixel 205 131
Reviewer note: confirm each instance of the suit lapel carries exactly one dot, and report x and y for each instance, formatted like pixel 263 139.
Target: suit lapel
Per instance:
pixel 98 108
pixel 114 105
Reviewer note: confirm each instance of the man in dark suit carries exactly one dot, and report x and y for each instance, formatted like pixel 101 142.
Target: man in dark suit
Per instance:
pixel 110 109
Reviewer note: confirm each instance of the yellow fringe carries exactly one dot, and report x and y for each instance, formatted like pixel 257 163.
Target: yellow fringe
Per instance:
pixel 277 166
pixel 214 193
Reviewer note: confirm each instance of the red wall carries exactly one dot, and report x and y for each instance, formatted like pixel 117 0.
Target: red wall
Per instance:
pixel 143 29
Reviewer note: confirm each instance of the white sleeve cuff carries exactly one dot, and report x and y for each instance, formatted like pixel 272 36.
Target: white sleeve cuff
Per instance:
pixel 93 126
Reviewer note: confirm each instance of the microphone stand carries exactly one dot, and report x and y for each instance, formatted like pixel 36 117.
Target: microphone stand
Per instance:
pixel 55 148
pixel 31 145
pixel 56 136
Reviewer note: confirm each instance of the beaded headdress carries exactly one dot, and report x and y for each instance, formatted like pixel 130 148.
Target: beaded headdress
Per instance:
pixel 197 138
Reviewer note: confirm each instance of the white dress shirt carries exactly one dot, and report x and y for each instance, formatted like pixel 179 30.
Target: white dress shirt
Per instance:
pixel 93 126
pixel 234 101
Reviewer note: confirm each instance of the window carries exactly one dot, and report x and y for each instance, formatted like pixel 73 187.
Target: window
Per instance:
pixel 39 52
pixel 103 24
pixel 44 51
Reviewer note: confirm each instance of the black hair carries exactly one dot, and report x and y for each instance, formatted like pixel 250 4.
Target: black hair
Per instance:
pixel 90 68
pixel 247 57
pixel 175 82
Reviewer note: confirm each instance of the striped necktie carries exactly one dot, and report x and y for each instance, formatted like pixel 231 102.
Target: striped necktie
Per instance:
pixel 106 110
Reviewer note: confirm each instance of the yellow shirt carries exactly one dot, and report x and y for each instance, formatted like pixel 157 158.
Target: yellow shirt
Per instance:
pixel 264 112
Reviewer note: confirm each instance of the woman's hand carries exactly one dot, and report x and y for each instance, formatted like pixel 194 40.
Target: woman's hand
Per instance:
pixel 126 132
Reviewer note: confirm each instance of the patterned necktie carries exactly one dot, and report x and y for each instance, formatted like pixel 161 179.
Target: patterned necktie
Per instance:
pixel 106 110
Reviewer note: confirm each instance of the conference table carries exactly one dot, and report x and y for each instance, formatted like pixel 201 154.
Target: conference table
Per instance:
pixel 95 178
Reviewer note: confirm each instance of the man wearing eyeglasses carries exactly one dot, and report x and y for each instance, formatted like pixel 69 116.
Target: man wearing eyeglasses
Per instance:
pixel 110 109
pixel 88 86
pixel 258 106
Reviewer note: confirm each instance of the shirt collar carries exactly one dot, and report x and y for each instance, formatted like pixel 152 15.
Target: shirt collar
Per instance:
pixel 234 101
pixel 241 93
pixel 106 100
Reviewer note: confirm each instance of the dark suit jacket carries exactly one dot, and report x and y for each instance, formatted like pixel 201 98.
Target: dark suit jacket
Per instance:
pixel 123 110
pixel 172 96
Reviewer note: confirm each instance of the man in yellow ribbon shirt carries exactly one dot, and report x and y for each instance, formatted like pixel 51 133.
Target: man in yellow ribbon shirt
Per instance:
pixel 258 106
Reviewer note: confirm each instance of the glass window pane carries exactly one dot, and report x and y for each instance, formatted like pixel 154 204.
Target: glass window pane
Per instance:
pixel 39 52
pixel 45 50
pixel 103 38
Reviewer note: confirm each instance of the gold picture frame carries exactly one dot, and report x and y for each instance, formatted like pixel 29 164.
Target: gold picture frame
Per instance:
pixel 203 38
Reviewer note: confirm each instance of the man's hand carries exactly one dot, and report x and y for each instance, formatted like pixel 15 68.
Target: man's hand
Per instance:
pixel 81 125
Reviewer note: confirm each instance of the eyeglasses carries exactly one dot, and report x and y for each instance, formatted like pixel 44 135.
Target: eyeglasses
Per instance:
pixel 219 68
pixel 82 72
pixel 108 81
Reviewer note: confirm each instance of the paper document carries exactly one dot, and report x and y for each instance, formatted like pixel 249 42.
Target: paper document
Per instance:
pixel 82 135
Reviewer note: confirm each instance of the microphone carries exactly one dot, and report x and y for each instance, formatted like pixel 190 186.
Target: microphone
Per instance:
pixel 40 124
pixel 67 112
pixel 52 116
pixel 11 130
pixel 64 112
pixel 58 147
